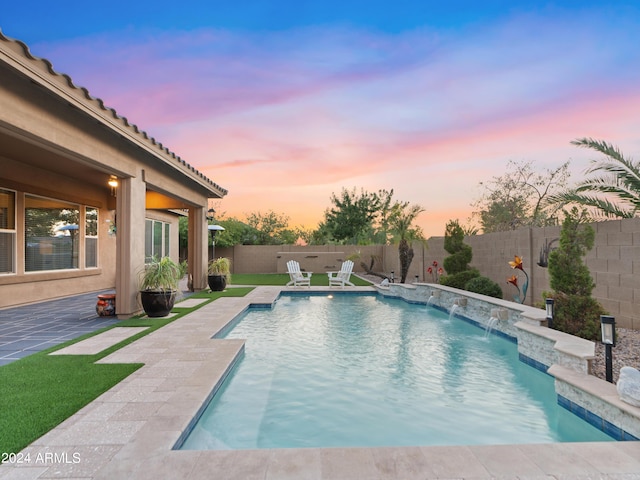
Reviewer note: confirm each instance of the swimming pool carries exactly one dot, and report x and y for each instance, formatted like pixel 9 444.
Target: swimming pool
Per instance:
pixel 345 370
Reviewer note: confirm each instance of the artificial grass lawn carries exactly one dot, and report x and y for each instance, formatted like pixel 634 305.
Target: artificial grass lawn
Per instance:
pixel 38 392
pixel 317 280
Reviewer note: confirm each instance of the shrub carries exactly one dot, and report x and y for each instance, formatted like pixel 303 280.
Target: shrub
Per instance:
pixel 460 279
pixel 575 311
pixel 484 286
pixel 457 263
pixel 220 266
pixel 460 253
pixel 160 275
pixel 568 273
pixel 577 315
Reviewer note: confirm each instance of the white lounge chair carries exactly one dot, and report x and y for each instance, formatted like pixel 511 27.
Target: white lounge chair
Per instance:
pixel 342 277
pixel 297 276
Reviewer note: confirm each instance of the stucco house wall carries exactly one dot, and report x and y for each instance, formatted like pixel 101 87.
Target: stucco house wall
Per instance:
pixel 59 142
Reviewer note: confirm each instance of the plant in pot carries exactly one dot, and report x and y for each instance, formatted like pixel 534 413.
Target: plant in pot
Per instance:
pixel 219 274
pixel 159 286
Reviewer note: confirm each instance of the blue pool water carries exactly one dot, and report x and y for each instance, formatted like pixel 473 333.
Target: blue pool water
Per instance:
pixel 358 370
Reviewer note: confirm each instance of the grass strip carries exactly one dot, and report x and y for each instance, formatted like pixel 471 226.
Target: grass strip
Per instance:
pixel 317 280
pixel 40 391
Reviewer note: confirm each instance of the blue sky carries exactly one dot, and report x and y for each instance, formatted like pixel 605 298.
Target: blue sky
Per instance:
pixel 284 103
pixel 43 21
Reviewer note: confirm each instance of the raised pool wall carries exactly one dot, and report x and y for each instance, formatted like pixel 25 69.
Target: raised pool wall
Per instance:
pixel 565 357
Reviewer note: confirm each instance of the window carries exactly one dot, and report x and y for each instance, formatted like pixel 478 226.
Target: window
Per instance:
pixel 51 234
pixel 7 231
pixel 91 237
pixel 156 237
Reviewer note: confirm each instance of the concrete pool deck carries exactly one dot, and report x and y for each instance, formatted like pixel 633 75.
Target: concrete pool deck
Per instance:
pixel 130 430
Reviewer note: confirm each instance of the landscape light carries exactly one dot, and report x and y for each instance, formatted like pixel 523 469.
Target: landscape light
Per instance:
pixel 608 330
pixel 549 302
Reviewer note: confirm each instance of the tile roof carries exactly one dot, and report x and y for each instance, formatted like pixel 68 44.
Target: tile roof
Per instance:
pixel 42 72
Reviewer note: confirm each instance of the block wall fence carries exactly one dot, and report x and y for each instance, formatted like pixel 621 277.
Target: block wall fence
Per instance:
pixel 614 262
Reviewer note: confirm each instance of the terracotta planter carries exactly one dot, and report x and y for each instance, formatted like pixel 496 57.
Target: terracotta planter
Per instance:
pixel 157 304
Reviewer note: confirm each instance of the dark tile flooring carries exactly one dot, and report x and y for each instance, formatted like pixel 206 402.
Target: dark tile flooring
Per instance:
pixel 28 329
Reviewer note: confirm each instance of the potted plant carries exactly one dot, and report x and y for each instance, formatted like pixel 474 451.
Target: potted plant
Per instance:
pixel 159 286
pixel 219 274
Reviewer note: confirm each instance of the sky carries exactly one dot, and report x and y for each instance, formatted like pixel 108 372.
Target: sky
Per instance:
pixel 284 103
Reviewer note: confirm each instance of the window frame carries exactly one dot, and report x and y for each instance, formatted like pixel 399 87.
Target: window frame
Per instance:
pixel 12 233
pixel 88 237
pixel 76 245
pixel 163 249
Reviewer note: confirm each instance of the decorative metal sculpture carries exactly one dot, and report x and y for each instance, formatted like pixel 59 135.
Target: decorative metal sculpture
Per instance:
pixel 545 250
pixel 435 272
pixel 513 280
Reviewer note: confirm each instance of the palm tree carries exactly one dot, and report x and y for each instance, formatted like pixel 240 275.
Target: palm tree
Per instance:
pixel 619 178
pixel 401 218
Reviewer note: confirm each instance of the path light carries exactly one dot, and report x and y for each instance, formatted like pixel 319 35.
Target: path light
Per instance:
pixel 417 278
pixel 608 328
pixel 549 302
pixel 393 278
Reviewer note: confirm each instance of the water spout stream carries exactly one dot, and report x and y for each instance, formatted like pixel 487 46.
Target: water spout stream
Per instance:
pixel 490 326
pixel 452 312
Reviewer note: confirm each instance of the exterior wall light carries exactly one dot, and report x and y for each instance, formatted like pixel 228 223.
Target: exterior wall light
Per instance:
pixel 113 183
pixel 608 329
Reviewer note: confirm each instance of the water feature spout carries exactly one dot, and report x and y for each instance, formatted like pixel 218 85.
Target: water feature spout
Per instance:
pixel 497 314
pixel 457 303
pixel 460 301
pixel 435 295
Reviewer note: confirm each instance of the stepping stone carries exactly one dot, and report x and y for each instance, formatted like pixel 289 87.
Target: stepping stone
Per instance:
pixel 190 303
pixel 100 342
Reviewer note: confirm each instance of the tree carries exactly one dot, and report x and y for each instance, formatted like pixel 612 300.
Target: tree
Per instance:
pixel 618 177
pixel 351 220
pixel 401 218
pixel 183 233
pixel 568 273
pixel 304 234
pixel 457 263
pixel 235 232
pixel 271 228
pixel 521 197
pixel 385 211
pixel 575 312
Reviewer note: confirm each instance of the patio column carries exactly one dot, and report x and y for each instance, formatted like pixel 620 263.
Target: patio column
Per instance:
pixel 130 235
pixel 198 247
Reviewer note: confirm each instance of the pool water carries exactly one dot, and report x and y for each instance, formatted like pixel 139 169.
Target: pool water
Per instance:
pixel 354 370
